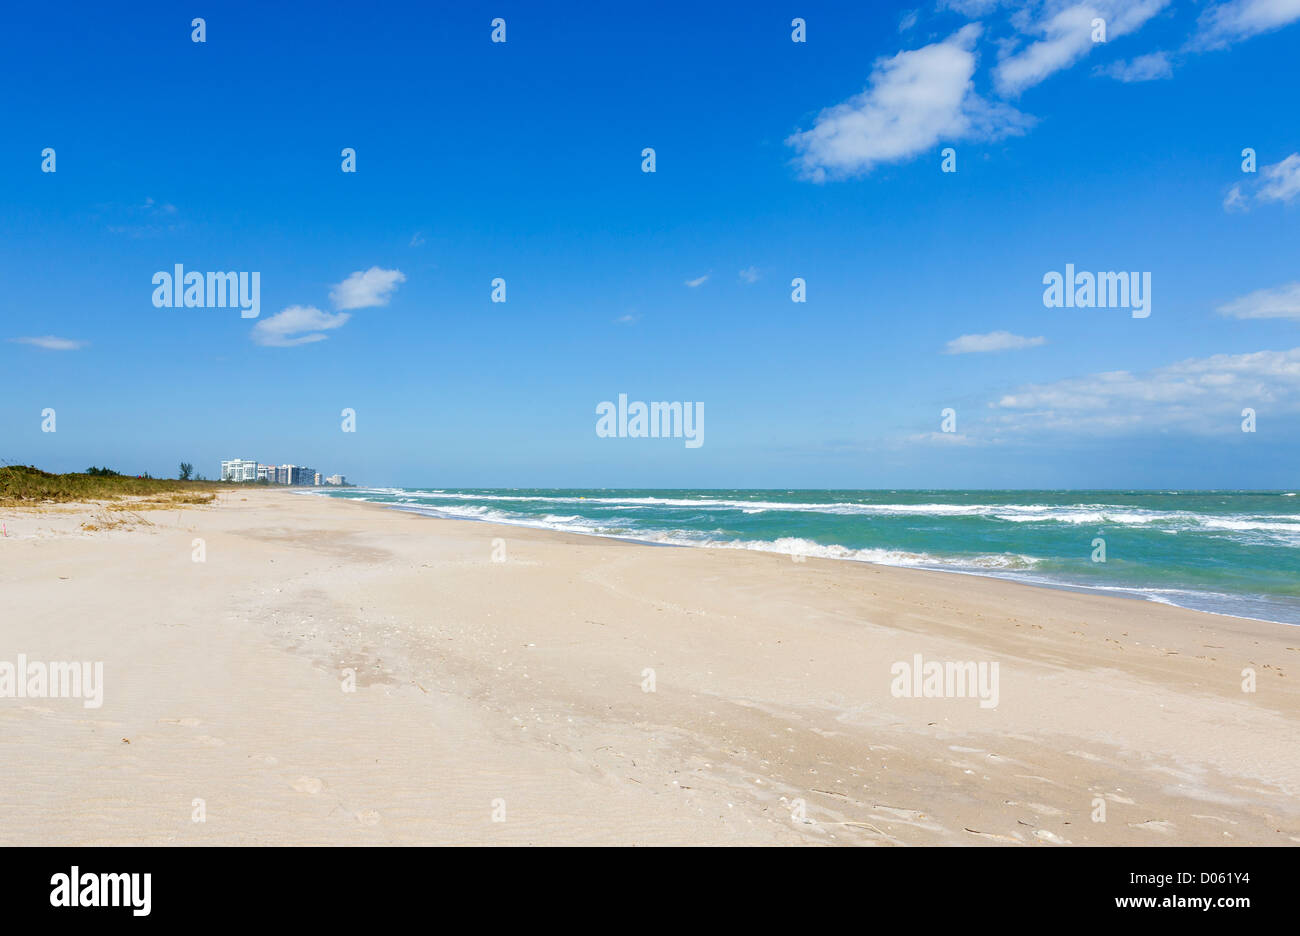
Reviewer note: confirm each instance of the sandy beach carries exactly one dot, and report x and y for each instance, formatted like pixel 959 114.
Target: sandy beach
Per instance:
pixel 518 686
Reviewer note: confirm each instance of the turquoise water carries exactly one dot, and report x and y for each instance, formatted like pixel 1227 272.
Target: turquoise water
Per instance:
pixel 1231 552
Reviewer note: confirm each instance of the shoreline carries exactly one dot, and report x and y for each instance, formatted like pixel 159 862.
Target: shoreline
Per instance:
pixel 1116 591
pixel 521 686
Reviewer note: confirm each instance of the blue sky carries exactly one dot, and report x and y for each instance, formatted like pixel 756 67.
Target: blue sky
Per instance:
pixel 774 160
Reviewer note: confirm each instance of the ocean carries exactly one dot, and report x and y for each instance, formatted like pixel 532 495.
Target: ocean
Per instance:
pixel 1227 552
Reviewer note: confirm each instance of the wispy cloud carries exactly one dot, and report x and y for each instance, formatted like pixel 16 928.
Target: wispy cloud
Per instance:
pixel 374 287
pixel 143 219
pixel 297 325
pixel 971 8
pixel 1143 68
pixel 417 239
pixel 1279 182
pixel 942 438
pixel 165 208
pixel 1279 302
pixel 1226 23
pixel 912 102
pixel 1066 32
pixel 1194 396
pixel 993 341
pixel 750 274
pixel 1236 200
pixel 51 343
pixel 628 318
pixel 698 281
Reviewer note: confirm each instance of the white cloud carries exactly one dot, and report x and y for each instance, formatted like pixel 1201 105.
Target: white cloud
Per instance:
pixel 993 341
pixel 629 318
pixel 698 281
pixel 417 239
pixel 51 343
pixel 297 325
pixel 1225 23
pixel 1066 30
pixel 942 438
pixel 1279 182
pixel 1279 302
pixel 363 290
pixel 908 20
pixel 141 219
pixel 971 8
pixel 750 274
pixel 1143 68
pixel 912 102
pixel 1197 395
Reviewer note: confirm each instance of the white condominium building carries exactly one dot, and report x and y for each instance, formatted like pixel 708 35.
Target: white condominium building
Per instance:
pixel 238 469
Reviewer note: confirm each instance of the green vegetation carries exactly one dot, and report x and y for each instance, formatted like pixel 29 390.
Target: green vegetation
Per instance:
pixel 187 470
pixel 23 483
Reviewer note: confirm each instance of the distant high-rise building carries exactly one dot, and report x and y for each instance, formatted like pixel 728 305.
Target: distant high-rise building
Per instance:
pixel 335 479
pixel 238 469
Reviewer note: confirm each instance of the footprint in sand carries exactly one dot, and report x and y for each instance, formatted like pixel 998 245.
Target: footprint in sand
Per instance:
pixel 183 722
pixel 1163 826
pixel 308 785
pixel 1045 836
pixel 209 741
pixel 366 817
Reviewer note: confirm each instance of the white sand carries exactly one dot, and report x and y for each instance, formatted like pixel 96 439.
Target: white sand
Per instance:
pixel 772 719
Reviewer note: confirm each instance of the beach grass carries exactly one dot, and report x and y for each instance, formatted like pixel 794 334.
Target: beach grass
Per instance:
pixel 24 484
